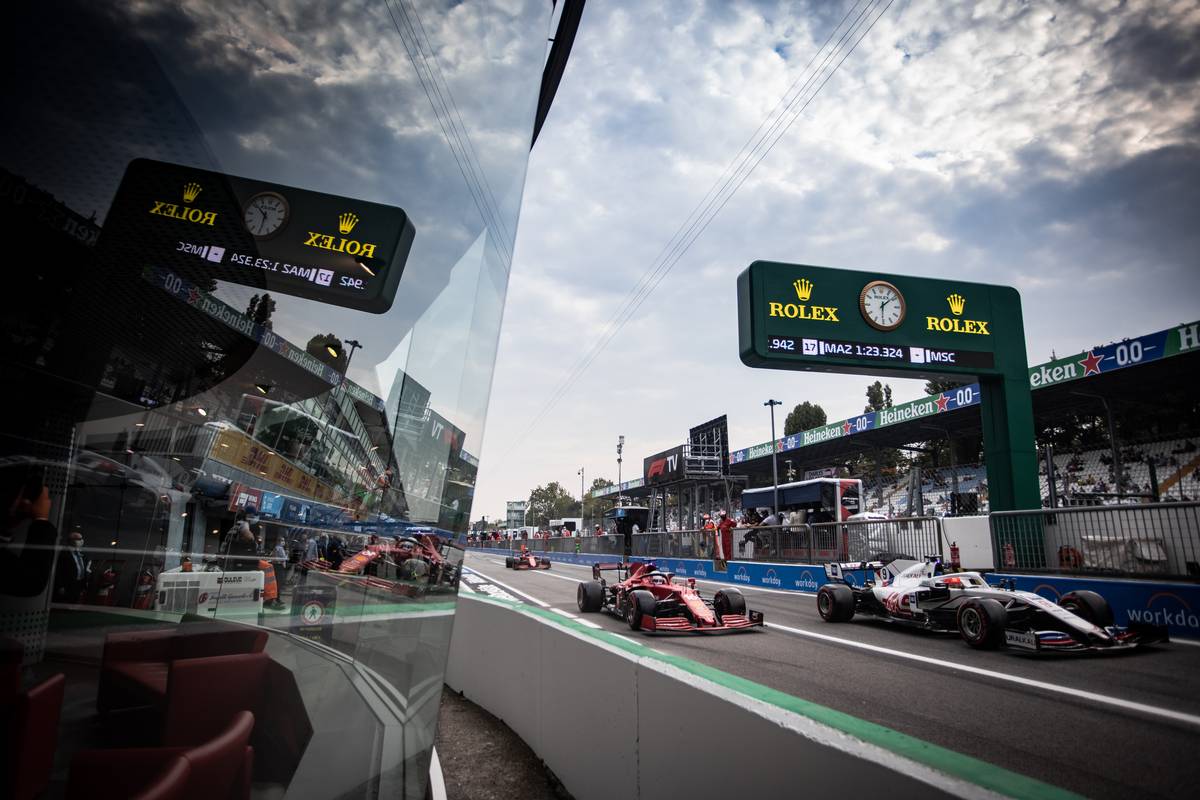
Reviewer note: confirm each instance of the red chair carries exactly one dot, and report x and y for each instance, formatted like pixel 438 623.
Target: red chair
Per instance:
pixel 203 694
pixel 135 666
pixel 218 768
pixel 33 738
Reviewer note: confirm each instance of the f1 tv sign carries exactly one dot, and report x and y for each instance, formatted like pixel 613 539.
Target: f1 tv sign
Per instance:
pixel 663 467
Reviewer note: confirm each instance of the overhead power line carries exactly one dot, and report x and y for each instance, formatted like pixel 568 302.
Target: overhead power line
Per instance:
pixel 416 42
pixel 841 42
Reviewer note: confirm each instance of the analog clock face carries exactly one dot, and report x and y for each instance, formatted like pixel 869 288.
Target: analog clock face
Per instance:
pixel 266 214
pixel 882 305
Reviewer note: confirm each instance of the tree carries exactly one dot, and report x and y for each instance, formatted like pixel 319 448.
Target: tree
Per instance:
pixel 879 396
pixel 804 417
pixel 594 507
pixel 939 385
pixel 884 460
pixel 319 347
pixel 549 502
pixel 260 309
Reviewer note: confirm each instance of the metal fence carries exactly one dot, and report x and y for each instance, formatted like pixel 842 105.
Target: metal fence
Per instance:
pixel 1160 540
pixel 806 544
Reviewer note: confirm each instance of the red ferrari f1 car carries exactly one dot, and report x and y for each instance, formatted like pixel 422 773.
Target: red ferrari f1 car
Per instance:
pixel 526 560
pixel 412 566
pixel 649 600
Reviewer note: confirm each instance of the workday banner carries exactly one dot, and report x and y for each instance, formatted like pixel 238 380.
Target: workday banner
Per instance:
pixel 792 577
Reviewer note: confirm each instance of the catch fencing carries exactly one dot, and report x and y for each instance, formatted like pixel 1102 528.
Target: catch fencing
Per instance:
pixel 816 543
pixel 1151 540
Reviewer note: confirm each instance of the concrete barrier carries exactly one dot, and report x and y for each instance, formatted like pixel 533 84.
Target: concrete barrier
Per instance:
pixel 612 717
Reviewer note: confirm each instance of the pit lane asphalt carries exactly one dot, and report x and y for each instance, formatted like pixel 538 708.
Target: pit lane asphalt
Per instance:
pixel 1063 732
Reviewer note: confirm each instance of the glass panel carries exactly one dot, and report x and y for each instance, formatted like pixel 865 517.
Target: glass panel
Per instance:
pixel 249 360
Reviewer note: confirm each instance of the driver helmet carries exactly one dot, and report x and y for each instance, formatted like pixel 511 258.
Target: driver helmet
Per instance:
pixel 407 544
pixel 658 579
pixel 721 513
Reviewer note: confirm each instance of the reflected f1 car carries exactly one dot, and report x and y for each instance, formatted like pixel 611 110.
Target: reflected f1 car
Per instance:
pixel 649 600
pixel 526 560
pixel 919 594
pixel 411 566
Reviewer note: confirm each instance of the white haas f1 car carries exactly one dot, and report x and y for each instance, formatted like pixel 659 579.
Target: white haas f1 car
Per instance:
pixel 918 594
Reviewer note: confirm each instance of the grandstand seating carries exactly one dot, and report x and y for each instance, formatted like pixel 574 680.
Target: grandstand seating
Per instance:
pixel 1177 468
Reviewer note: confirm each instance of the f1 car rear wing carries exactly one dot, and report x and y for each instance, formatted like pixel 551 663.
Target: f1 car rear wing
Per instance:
pixel 623 569
pixel 835 571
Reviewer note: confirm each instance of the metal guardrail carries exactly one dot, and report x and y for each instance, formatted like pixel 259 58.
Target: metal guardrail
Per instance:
pixel 807 544
pixel 1159 540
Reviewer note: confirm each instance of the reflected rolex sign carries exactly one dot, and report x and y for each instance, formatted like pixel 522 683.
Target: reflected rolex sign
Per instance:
pixel 208 227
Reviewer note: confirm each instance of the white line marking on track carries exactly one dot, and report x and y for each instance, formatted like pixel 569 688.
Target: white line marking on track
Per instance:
pixel 549 574
pixel 567 614
pixel 509 588
pixel 1103 699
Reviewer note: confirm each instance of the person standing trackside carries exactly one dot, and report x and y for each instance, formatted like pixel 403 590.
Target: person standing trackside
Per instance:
pixel 278 564
pixel 710 536
pixel 725 534
pixel 73 571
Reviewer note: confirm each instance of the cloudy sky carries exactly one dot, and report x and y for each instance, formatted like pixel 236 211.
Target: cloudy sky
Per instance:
pixel 1050 146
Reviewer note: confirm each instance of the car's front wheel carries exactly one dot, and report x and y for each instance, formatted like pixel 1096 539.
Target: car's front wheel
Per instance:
pixel 981 623
pixel 638 603
pixel 835 602
pixel 589 596
pixel 729 601
pixel 1088 605
pixel 508 562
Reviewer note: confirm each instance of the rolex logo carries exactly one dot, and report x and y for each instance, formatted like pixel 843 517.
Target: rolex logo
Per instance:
pixel 190 191
pixel 346 222
pixel 957 303
pixel 804 289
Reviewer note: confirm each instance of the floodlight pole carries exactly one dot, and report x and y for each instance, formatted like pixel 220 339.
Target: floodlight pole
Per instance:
pixel 620 447
pixel 581 495
pixel 774 456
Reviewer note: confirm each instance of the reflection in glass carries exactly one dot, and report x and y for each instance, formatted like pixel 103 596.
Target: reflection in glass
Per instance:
pixel 247 365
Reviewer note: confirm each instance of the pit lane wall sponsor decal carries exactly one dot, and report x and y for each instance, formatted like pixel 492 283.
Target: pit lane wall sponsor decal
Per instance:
pixel 1176 605
pixel 931 406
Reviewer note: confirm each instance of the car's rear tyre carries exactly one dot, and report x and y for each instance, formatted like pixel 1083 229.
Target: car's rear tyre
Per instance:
pixel 835 602
pixel 729 601
pixel 546 563
pixel 639 603
pixel 589 596
pixel 981 623
pixel 1089 606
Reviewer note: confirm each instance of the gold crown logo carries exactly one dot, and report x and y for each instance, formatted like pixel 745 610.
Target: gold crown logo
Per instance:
pixel 804 289
pixel 347 221
pixel 190 190
pixel 957 302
